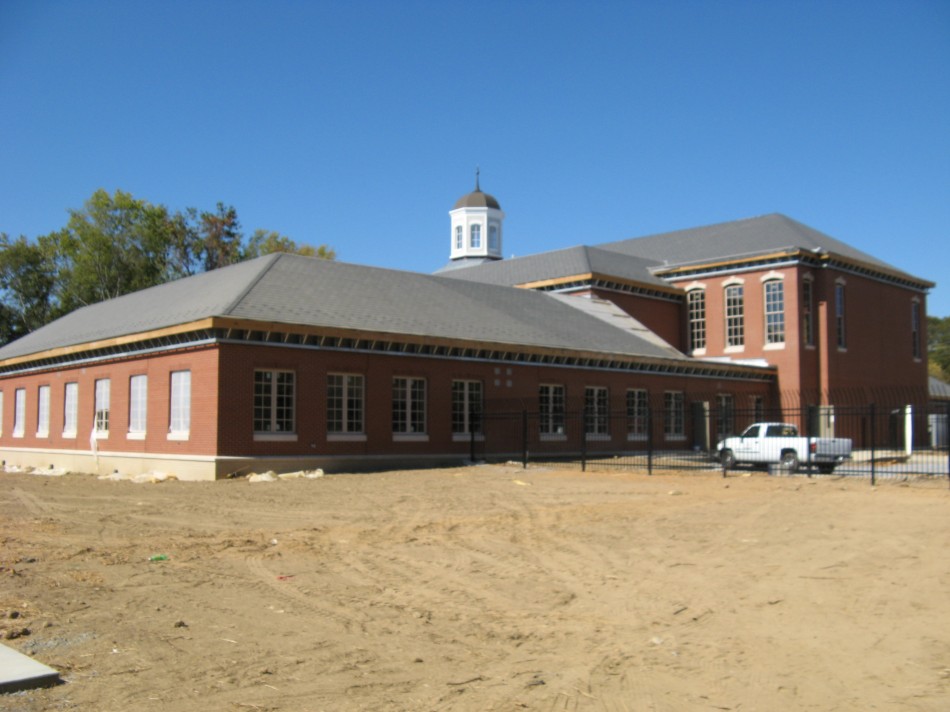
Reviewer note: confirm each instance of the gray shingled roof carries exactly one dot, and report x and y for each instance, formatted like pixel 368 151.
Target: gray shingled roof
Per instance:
pixel 654 253
pixel 735 239
pixel 295 290
pixel 561 263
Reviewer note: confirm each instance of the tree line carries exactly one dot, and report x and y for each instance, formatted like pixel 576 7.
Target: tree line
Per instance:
pixel 117 244
pixel 938 347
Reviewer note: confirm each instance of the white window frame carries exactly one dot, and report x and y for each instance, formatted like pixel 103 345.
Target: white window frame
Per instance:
pixel 42 412
pixel 271 411
pixel 138 406
pixel 101 409
pixel 70 409
pixel 459 237
pixel 696 318
pixel 734 310
pixel 409 417
pixel 493 237
pixel 674 415
pixel 773 309
pixel 19 412
pixel 552 398
pixel 475 236
pixel 597 413
pixel 467 407
pixel 638 413
pixel 346 413
pixel 179 405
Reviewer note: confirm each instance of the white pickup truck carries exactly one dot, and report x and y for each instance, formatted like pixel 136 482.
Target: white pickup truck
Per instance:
pixel 780 443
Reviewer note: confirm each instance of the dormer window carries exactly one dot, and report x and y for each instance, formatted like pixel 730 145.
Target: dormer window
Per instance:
pixel 476 239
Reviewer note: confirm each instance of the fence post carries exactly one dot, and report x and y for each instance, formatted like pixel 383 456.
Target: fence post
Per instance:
pixel 524 439
pixel 584 440
pixel 873 440
pixel 649 441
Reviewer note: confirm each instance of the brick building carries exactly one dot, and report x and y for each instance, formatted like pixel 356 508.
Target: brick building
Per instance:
pixel 288 362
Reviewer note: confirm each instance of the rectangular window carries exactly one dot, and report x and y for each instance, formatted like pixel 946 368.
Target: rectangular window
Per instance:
pixel 735 316
pixel 476 231
pixel 839 316
pixel 101 426
pixel 466 407
pixel 673 415
pixel 409 406
pixel 344 403
pixel 70 409
pixel 696 314
pixel 179 411
pixel 775 312
pixel 596 411
pixel 808 313
pixel 915 328
pixel 42 412
pixel 725 415
pixel 19 412
pixel 637 414
pixel 274 402
pixel 138 404
pixel 458 237
pixel 551 409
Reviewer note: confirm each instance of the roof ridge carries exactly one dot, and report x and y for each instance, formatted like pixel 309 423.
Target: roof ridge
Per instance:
pixel 269 262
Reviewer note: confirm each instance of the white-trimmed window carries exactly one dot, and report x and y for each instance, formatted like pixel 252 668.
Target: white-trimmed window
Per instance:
pixel 725 415
pixel 551 409
pixel 674 416
pixel 179 407
pixel 138 405
pixel 70 409
pixel 409 406
pixel 696 315
pixel 345 403
pixel 459 237
pixel 808 312
pixel 596 411
pixel 42 412
pixel 19 412
pixel 466 407
pixel 101 419
pixel 476 236
pixel 274 402
pixel 774 294
pixel 915 328
pixel 493 238
pixel 840 332
pixel 638 414
pixel 735 316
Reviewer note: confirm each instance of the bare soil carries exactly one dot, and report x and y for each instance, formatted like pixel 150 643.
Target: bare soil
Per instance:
pixel 484 588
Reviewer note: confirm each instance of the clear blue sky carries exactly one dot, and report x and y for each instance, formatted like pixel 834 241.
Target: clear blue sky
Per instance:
pixel 358 124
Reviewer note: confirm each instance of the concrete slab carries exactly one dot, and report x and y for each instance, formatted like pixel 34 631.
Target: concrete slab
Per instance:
pixel 21 672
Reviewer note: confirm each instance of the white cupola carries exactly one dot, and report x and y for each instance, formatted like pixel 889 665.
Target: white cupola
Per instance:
pixel 476 228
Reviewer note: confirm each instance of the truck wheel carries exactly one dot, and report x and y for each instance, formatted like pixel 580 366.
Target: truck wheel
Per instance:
pixel 826 469
pixel 728 459
pixel 790 460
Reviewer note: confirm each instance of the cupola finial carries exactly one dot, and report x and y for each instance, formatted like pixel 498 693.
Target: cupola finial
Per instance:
pixel 477 171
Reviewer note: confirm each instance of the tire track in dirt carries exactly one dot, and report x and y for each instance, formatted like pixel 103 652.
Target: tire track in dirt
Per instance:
pixel 33 504
pixel 348 619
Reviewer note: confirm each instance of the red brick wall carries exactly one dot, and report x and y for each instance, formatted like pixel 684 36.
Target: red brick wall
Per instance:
pixel 201 441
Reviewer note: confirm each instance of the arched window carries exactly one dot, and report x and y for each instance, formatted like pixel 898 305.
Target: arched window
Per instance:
pixel 774 312
pixel 696 313
pixel 493 237
pixel 476 240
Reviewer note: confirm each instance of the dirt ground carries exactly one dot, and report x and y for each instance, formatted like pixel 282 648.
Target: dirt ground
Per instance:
pixel 483 588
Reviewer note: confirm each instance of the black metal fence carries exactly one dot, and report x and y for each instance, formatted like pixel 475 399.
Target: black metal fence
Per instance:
pixel 899 441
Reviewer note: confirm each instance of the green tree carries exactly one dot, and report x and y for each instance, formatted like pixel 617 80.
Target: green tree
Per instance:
pixel 27 278
pixel 938 346
pixel 264 242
